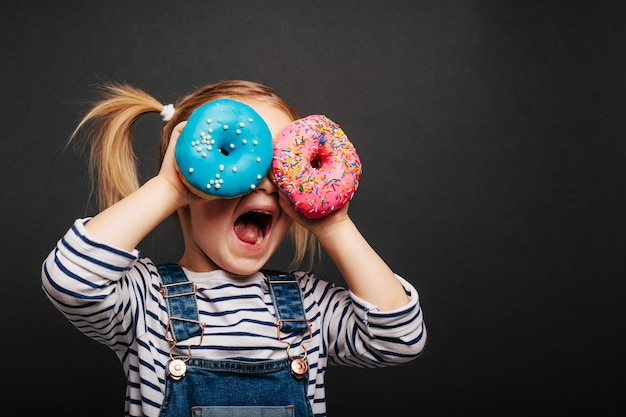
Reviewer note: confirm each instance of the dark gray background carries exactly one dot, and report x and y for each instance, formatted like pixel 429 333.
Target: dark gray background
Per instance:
pixel 492 139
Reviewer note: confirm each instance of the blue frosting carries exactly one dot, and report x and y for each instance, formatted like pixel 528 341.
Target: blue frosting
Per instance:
pixel 225 149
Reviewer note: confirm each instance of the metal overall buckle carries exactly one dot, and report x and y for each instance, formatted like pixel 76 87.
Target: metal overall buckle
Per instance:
pixel 177 367
pixel 299 366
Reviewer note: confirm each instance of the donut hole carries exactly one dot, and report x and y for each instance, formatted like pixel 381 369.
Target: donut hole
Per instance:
pixel 316 161
pixel 223 151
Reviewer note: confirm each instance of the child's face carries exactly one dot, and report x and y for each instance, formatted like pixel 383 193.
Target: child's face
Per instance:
pixel 240 234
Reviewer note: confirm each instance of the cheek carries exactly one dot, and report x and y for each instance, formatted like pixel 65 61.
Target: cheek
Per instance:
pixel 281 227
pixel 208 217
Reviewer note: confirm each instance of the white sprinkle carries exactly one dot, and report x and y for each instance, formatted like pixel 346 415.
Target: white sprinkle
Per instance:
pixel 190 170
pixel 209 121
pixel 208 186
pixel 255 142
pixel 250 120
pixel 210 130
pixel 199 149
pixel 252 186
pixel 244 141
pixel 241 124
pixel 203 154
pixel 220 181
pixel 238 132
pixel 232 146
pixel 234 169
pixel 221 167
pixel 258 176
pixel 225 127
pixel 217 186
pixel 258 159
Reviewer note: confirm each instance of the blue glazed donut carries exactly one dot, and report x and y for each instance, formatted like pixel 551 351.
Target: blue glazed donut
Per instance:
pixel 225 149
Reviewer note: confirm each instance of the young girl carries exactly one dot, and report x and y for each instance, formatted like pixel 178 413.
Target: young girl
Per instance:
pixel 214 333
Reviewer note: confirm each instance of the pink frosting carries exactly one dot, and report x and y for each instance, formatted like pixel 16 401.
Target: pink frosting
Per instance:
pixel 316 165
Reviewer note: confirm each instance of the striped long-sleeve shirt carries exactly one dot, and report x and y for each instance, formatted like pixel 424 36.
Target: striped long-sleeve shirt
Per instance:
pixel 113 297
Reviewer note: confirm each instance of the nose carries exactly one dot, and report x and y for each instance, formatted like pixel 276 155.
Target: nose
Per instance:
pixel 267 185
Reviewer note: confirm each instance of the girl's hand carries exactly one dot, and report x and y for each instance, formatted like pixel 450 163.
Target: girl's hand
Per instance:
pixel 315 226
pixel 170 173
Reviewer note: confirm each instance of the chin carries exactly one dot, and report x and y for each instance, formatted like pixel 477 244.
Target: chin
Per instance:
pixel 244 268
pixel 248 258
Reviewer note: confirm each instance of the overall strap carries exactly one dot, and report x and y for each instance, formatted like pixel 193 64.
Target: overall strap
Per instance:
pixel 287 298
pixel 180 298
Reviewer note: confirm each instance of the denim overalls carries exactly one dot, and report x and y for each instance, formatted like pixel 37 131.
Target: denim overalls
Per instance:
pixel 233 388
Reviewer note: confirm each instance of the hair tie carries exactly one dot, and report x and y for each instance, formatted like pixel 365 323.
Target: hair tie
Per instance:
pixel 168 112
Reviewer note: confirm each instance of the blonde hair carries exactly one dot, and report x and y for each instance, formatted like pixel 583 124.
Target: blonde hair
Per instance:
pixel 112 160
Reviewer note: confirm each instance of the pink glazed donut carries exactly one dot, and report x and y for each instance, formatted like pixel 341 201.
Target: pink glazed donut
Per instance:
pixel 316 165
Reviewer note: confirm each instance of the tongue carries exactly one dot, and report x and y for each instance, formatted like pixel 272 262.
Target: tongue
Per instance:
pixel 248 232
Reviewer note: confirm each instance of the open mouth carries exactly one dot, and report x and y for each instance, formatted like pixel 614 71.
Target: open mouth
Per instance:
pixel 251 227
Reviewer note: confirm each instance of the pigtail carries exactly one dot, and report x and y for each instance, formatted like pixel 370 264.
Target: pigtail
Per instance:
pixel 112 160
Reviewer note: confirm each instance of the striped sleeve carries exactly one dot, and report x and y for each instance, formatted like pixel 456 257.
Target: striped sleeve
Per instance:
pixel 79 277
pixel 358 334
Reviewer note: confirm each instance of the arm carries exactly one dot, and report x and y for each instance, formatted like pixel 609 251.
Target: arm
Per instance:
pixel 364 271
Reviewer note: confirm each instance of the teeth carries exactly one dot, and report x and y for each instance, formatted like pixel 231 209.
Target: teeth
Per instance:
pixel 259 239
